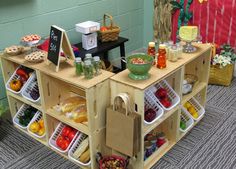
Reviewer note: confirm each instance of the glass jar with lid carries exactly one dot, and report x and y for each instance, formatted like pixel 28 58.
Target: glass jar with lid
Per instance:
pixel 88 69
pixel 97 65
pixel 78 66
pixel 173 57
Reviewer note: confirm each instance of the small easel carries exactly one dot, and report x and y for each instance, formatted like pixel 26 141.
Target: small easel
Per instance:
pixel 59 41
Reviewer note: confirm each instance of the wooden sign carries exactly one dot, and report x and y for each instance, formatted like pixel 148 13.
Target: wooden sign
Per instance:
pixel 58 41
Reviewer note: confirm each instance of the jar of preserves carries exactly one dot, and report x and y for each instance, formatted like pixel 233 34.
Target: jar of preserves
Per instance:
pixel 88 69
pixel 161 59
pixel 151 50
pixel 97 65
pixel 78 66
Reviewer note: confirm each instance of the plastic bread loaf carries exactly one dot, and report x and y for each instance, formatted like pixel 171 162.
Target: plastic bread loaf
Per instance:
pixel 82 147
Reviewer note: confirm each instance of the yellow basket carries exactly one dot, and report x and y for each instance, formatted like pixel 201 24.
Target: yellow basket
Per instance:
pixel 221 76
pixel 112 33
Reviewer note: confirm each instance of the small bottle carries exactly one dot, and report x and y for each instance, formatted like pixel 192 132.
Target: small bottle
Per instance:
pixel 97 65
pixel 180 50
pixel 78 66
pixel 151 50
pixel 170 44
pixel 173 56
pixel 161 60
pixel 88 69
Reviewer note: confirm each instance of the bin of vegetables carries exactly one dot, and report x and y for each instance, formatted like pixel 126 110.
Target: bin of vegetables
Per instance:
pixel 23 117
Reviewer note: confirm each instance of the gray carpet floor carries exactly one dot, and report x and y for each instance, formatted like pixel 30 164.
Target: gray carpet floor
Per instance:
pixel 210 145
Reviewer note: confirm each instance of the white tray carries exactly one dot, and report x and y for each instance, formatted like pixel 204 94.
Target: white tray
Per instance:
pixel 198 108
pixel 74 147
pixel 184 116
pixel 150 103
pixel 19 113
pixel 54 136
pixel 37 117
pixel 29 86
pixel 172 95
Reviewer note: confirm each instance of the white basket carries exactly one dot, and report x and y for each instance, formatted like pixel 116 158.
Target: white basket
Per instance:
pixel 184 116
pixel 28 88
pixel 200 110
pixel 37 117
pixel 19 113
pixel 74 147
pixel 150 103
pixel 56 133
pixel 14 76
pixel 172 95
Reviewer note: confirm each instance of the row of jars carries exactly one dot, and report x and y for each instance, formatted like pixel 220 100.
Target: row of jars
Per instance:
pixel 89 68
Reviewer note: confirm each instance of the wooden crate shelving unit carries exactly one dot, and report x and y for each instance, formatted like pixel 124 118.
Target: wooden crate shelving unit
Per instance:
pixel 198 64
pixel 53 88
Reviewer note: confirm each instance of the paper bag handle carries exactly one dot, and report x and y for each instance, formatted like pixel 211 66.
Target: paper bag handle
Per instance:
pixel 122 97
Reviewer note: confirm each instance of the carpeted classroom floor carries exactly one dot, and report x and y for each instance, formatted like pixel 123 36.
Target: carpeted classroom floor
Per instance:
pixel 210 145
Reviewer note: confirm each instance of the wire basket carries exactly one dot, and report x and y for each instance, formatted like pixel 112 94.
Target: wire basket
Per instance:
pixel 14 76
pixel 112 32
pixel 72 150
pixel 172 95
pixel 150 103
pixel 37 117
pixel 56 134
pixel 19 113
pixel 31 84
pixel 200 110
pixel 185 117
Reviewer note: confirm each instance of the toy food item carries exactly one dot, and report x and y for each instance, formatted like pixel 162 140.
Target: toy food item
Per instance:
pixel 103 28
pixel 150 115
pixel 137 61
pixel 13 50
pixel 182 125
pixel 161 93
pixel 35 57
pixel 191 109
pixel 162 96
pixel 34 93
pixel 81 148
pixel 65 138
pixel 23 74
pixel 71 103
pixel 34 127
pixel 85 156
pixel 27 115
pixel 31 38
pixel 15 85
pixel 41 123
pixel 188 33
pixel 37 127
pixel 41 131
pixel 79 114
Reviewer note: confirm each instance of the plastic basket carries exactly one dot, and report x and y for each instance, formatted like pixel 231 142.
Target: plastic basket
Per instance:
pixel 75 146
pixel 29 86
pixel 19 113
pixel 150 103
pixel 14 76
pixel 56 134
pixel 37 117
pixel 184 116
pixel 172 95
pixel 198 108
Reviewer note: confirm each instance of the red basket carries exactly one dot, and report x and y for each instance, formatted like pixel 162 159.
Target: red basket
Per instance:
pixel 102 160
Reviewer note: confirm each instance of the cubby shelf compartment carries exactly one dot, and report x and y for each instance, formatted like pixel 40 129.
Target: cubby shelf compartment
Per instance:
pixel 187 119
pixel 60 117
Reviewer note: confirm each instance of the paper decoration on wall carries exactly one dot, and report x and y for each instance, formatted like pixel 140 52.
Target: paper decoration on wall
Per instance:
pixel 185 14
pixel 162 20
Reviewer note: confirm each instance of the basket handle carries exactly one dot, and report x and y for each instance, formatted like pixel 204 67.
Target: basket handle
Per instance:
pixel 111 20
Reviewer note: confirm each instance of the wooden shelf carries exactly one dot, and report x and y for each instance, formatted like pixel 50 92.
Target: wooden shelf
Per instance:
pixel 196 89
pixel 78 126
pixel 148 128
pixel 22 99
pixel 43 141
pixel 150 161
pixel 181 134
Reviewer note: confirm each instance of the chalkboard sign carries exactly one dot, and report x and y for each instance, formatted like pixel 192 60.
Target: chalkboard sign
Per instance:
pixel 58 40
pixel 54 48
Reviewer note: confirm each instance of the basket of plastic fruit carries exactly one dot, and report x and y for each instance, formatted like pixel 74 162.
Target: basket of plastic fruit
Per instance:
pixel 24 116
pixel 153 111
pixel 163 93
pixel 17 80
pixel 79 152
pixel 36 126
pixel 30 90
pixel 195 110
pixel 186 121
pixel 62 138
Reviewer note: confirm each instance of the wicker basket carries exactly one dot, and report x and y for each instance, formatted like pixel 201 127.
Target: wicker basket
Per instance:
pixel 112 32
pixel 221 76
pixel 106 65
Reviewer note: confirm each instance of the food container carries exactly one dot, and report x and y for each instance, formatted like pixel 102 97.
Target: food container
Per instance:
pixel 87 27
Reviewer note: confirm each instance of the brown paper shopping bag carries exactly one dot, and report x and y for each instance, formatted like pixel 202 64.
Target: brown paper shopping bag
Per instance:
pixel 123 127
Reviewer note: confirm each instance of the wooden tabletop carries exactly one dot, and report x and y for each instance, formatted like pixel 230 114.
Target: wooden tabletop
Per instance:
pixel 160 74
pixel 66 72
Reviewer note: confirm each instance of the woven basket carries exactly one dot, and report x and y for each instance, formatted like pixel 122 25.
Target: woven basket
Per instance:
pixel 112 32
pixel 221 76
pixel 106 65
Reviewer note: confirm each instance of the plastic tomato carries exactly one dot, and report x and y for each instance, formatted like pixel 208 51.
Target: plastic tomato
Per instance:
pixel 59 141
pixel 64 144
pixel 65 131
pixel 103 28
pixel 71 135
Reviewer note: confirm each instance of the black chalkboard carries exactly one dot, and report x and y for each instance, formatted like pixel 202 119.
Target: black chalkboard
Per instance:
pixel 55 42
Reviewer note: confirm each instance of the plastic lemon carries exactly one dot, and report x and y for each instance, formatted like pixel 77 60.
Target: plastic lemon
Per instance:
pixel 41 123
pixel 187 105
pixel 34 127
pixel 41 131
